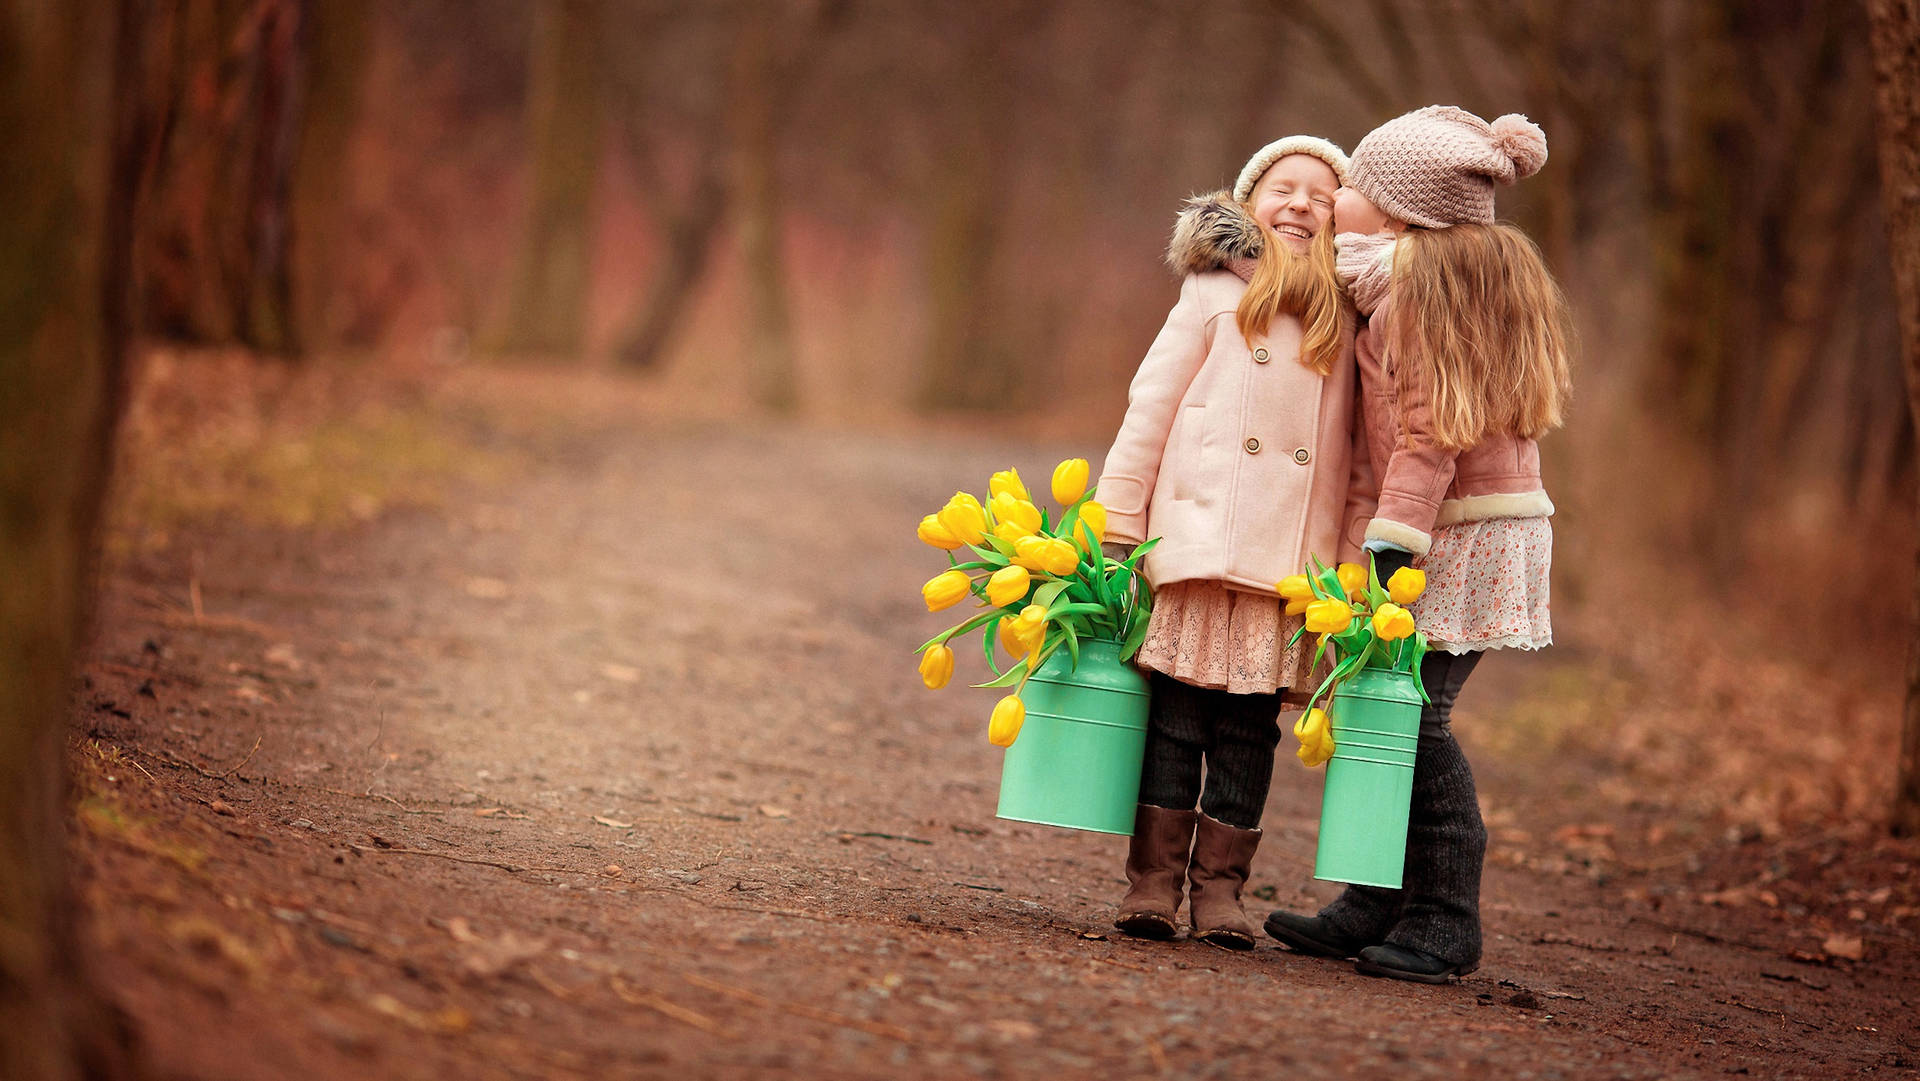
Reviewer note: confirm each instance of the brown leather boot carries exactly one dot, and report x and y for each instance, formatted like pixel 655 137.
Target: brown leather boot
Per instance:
pixel 1156 871
pixel 1221 856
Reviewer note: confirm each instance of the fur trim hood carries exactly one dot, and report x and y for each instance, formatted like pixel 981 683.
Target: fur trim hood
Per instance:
pixel 1213 232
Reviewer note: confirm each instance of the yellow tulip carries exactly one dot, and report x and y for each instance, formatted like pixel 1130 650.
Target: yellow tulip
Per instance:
pixel 1007 585
pixel 936 534
pixel 946 589
pixel 1294 608
pixel 1010 508
pixel 964 518
pixel 1095 515
pixel 1311 723
pixel 1011 532
pixel 1008 480
pixel 1057 557
pixel 1070 481
pixel 936 667
pixel 1315 734
pixel 1392 622
pixel 1329 616
pixel 1353 578
pixel 1008 715
pixel 1028 552
pixel 1025 632
pixel 1294 587
pixel 1406 585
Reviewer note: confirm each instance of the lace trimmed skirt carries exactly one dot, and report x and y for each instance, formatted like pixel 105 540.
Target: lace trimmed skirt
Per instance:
pixel 1487 586
pixel 1208 634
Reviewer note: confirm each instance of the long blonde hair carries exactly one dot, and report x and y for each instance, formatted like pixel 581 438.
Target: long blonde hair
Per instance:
pixel 1479 319
pixel 1301 285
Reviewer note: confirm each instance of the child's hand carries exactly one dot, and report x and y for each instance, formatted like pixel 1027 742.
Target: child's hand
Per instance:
pixel 1115 551
pixel 1388 560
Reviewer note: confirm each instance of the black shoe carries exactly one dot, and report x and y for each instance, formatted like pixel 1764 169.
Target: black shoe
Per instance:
pixel 1407 963
pixel 1312 935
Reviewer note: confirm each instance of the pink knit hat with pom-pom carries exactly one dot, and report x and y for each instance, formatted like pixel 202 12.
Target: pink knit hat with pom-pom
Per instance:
pixel 1437 166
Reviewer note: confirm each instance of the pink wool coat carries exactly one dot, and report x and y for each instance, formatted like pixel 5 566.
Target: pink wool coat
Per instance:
pixel 1405 485
pixel 1233 453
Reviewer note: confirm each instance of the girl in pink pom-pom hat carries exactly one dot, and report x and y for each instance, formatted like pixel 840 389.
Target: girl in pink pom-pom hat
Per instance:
pixel 1463 364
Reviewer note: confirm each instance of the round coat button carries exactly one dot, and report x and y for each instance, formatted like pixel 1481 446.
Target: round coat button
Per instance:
pixel 1303 456
pixel 1261 356
pixel 1253 446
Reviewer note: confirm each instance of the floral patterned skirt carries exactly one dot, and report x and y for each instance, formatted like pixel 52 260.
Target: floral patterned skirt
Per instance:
pixel 1208 634
pixel 1487 586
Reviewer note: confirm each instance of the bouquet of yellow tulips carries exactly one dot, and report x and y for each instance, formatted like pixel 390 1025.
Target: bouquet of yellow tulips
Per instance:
pixel 1364 624
pixel 1041 579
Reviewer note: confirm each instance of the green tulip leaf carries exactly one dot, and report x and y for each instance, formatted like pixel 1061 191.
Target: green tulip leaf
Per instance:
pixel 1011 676
pixel 986 641
pixel 1078 609
pixel 1135 635
pixel 954 632
pixel 993 557
pixel 1047 594
pixel 1073 643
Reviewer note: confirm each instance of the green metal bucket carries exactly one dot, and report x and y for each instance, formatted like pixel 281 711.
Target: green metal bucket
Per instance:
pixel 1363 813
pixel 1076 762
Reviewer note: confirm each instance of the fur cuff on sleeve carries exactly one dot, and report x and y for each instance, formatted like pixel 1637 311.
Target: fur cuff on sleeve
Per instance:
pixel 1403 536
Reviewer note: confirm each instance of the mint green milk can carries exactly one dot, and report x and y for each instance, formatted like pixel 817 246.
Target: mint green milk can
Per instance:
pixel 1076 762
pixel 1363 812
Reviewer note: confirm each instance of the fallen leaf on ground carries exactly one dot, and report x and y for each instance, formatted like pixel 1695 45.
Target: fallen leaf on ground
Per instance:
pixel 1845 947
pixel 491 958
pixel 611 822
pixel 450 1021
pixel 496 812
pixel 771 811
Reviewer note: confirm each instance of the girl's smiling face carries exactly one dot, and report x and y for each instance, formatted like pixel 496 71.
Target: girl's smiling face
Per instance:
pixel 1294 199
pixel 1355 213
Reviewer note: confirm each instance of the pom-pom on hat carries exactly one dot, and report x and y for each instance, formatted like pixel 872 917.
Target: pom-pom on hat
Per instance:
pixel 1437 166
pixel 1335 158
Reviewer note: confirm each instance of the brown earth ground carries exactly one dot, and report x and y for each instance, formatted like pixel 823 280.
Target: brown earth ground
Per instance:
pixel 514 725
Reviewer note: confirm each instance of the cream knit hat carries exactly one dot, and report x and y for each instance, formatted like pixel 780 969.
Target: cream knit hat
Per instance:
pixel 1335 158
pixel 1437 166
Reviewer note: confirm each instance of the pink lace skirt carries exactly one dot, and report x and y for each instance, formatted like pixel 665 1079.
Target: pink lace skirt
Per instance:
pixel 1209 634
pixel 1487 586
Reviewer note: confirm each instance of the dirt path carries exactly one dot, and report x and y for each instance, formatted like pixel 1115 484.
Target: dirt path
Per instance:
pixel 622 768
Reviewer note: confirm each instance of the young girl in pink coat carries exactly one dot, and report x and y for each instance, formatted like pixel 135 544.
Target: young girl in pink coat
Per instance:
pixel 1463 363
pixel 1235 452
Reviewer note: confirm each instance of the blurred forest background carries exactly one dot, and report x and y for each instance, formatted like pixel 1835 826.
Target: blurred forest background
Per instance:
pixel 840 209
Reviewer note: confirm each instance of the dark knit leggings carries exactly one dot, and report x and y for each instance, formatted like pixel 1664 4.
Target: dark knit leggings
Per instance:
pixel 1439 909
pixel 1235 735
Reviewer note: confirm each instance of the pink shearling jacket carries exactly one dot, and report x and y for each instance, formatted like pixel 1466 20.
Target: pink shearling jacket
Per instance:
pixel 1233 453
pixel 1421 486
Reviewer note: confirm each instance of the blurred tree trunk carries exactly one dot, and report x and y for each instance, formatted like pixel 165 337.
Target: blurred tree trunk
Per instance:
pixel 337 37
pixel 63 332
pixel 967 365
pixel 643 342
pixel 1895 36
pixel 231 76
pixel 546 307
pixel 755 83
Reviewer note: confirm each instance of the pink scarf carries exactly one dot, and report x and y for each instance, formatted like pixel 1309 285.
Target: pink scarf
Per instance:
pixel 1364 264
